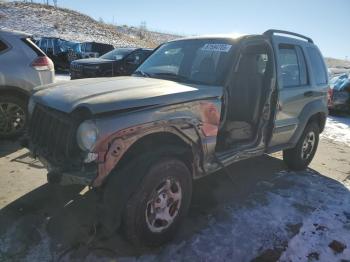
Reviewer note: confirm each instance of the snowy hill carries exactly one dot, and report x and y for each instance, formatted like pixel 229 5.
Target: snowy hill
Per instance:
pixel 42 20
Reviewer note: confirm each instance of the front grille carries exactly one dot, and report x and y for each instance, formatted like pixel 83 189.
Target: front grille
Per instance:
pixel 52 135
pixel 76 67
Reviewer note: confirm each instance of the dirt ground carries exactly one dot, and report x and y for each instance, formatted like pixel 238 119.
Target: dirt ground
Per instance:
pixel 61 218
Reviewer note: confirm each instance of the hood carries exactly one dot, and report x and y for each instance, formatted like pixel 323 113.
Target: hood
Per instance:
pixel 92 61
pixel 101 95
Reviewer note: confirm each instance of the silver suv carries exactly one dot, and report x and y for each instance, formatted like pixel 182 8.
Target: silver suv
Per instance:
pixel 23 66
pixel 195 106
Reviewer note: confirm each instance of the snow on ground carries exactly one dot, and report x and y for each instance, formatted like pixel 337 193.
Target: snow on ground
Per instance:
pixel 338 129
pixel 314 209
pixel 295 217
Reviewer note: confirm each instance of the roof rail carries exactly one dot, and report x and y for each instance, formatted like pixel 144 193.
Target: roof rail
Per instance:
pixel 271 32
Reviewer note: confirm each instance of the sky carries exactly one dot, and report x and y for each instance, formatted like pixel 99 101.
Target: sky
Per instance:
pixel 325 21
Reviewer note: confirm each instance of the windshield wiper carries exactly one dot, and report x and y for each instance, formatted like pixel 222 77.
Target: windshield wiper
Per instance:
pixel 142 73
pixel 173 76
pixel 181 78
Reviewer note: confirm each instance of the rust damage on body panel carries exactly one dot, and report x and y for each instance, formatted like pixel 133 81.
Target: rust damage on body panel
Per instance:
pixel 119 145
pixel 193 132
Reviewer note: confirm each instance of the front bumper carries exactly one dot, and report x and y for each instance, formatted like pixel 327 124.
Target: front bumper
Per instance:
pixel 69 177
pixel 56 175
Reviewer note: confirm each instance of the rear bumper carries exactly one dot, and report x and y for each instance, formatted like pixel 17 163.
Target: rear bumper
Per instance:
pixel 46 77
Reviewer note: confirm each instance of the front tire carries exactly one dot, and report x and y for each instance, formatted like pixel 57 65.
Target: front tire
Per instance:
pixel 299 157
pixel 13 116
pixel 155 210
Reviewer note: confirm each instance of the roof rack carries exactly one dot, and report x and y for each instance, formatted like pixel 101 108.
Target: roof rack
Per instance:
pixel 271 32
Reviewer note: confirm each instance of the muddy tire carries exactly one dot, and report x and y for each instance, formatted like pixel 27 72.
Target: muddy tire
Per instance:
pixel 154 212
pixel 299 157
pixel 13 116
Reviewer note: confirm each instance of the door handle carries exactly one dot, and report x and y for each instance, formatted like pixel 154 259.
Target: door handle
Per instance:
pixel 309 93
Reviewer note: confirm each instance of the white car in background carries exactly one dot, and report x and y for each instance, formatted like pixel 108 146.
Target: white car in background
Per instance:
pixel 23 66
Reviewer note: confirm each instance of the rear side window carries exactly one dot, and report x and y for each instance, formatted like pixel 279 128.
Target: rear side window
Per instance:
pixel 317 66
pixel 292 66
pixel 33 46
pixel 3 46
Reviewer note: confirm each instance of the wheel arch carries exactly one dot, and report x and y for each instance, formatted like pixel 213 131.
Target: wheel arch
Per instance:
pixel 315 111
pixel 173 144
pixel 122 148
pixel 16 91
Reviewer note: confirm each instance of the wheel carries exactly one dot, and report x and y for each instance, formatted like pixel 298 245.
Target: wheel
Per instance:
pixel 299 157
pixel 148 198
pixel 13 116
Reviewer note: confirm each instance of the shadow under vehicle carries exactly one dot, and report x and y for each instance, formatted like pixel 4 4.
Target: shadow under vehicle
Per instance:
pixel 193 107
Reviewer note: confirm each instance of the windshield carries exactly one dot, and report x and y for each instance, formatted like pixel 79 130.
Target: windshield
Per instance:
pixel 117 54
pixel 201 61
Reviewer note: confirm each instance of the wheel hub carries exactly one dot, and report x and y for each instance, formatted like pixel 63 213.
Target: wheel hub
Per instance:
pixel 308 145
pixel 164 205
pixel 12 118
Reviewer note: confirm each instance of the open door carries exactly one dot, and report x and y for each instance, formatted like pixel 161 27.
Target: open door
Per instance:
pixel 248 95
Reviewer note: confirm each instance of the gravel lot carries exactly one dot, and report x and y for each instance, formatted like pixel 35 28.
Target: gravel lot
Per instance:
pixel 262 211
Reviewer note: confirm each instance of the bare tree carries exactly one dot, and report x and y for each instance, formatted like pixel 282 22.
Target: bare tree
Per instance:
pixel 55 3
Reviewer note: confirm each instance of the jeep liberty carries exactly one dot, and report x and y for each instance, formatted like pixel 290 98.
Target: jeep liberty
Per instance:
pixel 195 106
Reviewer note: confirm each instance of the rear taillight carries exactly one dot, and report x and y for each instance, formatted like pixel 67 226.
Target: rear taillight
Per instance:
pixel 42 63
pixel 330 96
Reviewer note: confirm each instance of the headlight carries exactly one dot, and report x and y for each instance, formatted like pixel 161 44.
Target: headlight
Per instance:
pixel 31 106
pixel 87 135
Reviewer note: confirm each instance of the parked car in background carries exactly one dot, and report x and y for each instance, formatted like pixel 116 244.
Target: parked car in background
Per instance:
pixel 62 52
pixel 119 62
pixel 195 106
pixel 93 49
pixel 23 66
pixel 339 94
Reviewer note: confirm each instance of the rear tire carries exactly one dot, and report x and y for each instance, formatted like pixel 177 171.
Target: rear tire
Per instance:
pixel 13 116
pixel 299 157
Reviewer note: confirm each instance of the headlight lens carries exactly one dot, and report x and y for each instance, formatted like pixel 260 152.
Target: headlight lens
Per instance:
pixel 87 135
pixel 31 106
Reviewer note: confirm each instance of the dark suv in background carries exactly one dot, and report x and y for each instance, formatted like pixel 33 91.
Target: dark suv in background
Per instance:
pixel 119 62
pixel 63 52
